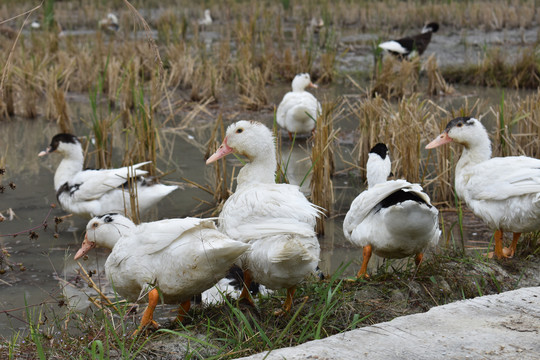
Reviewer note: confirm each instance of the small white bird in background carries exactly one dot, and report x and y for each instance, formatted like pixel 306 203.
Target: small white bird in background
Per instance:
pixel 393 219
pixel 502 191
pixel 207 19
pixel 110 24
pixel 411 46
pixel 92 192
pixel 298 111
pixel 275 219
pixel 175 258
pixel 316 24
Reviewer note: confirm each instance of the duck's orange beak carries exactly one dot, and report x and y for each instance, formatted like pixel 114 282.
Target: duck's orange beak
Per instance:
pixel 222 151
pixel 440 140
pixel 86 246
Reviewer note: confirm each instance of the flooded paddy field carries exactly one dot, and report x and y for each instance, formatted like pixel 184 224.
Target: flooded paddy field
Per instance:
pixel 40 268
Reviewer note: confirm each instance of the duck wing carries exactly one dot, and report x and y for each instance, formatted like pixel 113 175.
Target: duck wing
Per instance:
pixel 364 203
pixel 286 104
pixel 503 178
pixel 158 235
pixel 93 184
pixel 268 209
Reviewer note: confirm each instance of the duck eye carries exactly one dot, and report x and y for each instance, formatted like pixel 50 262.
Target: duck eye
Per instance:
pixel 95 225
pixel 459 125
pixel 238 131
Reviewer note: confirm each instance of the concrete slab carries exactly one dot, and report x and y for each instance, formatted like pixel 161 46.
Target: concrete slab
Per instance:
pixel 503 326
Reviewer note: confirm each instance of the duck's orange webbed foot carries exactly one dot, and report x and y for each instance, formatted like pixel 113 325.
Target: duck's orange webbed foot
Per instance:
pixel 288 302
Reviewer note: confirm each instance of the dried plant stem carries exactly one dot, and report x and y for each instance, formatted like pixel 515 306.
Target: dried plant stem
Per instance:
pixel 322 157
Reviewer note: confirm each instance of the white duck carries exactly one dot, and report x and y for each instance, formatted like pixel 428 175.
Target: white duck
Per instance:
pixel 109 24
pixel 393 219
pixel 180 257
pixel 206 20
pixel 92 192
pixel 298 111
pixel 502 191
pixel 276 219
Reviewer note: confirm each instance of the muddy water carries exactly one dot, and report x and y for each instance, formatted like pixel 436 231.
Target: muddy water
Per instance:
pixel 48 260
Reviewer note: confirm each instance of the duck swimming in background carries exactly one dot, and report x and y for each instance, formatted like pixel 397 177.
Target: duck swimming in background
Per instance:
pixel 174 258
pixel 275 219
pixel 411 46
pixel 503 191
pixel 298 111
pixel 110 24
pixel 392 218
pixel 92 192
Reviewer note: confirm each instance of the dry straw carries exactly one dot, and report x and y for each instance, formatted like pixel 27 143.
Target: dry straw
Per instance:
pixel 322 157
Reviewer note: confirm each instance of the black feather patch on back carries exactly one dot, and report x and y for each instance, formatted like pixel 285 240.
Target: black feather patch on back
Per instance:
pixel 399 197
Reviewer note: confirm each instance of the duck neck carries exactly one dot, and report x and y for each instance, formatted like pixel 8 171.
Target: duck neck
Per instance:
pixel 108 242
pixel 377 169
pixel 474 154
pixel 71 164
pixel 376 177
pixel 261 168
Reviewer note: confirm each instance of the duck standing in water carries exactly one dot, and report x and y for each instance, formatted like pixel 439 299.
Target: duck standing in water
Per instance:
pixel 275 219
pixel 298 111
pixel 503 191
pixel 179 257
pixel 92 192
pixel 392 218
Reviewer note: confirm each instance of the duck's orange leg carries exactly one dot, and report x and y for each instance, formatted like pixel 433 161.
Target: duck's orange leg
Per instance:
pixel 245 290
pixel 363 269
pixel 288 302
pixel 509 252
pixel 183 310
pixel 148 315
pixel 498 245
pixel 418 259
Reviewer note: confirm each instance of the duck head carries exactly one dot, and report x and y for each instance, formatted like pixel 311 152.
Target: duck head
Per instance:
pixel 466 131
pixel 301 82
pixel 104 230
pixel 249 138
pixel 62 144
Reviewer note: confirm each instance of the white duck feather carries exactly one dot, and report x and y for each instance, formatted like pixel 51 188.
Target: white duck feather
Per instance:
pixel 180 257
pixel 299 109
pixel 394 218
pixel 276 219
pixel 503 191
pixel 93 192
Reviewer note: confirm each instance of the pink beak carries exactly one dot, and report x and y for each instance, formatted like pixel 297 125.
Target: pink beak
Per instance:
pixel 313 85
pixel 222 151
pixel 440 140
pixel 86 246
pixel 45 152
